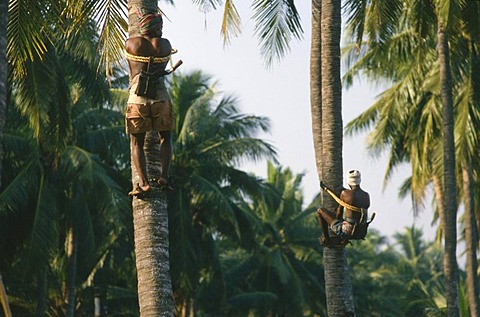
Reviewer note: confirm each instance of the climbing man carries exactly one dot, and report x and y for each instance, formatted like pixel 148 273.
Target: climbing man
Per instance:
pixel 149 106
pixel 350 221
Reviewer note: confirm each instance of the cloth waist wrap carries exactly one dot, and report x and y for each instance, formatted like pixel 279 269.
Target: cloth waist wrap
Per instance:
pixel 161 92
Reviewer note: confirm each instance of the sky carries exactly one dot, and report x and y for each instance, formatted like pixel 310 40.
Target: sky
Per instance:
pixel 281 93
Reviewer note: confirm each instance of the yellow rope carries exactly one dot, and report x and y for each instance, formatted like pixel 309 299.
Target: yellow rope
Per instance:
pixel 146 59
pixel 341 202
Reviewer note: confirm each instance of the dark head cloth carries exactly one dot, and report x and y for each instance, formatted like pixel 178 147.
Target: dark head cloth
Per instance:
pixel 148 22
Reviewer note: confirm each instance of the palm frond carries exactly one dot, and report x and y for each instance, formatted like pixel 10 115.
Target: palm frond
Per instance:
pixel 45 231
pixel 447 11
pixel 207 5
pixel 383 19
pixel 231 22
pixel 28 33
pixel 17 194
pixel 81 165
pixel 33 94
pixel 238 150
pixel 206 193
pixel 378 19
pixel 356 12
pixel 276 24
pixel 113 28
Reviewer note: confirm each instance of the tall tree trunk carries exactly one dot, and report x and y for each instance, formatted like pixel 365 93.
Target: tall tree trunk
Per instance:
pixel 150 221
pixel 471 238
pixel 316 82
pixel 438 190
pixel 150 217
pixel 72 242
pixel 450 265
pixel 338 286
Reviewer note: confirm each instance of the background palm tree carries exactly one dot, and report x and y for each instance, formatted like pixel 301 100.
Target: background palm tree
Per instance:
pixel 444 27
pixel 211 139
pixel 276 275
pixel 52 172
pixel 426 22
pixel 50 205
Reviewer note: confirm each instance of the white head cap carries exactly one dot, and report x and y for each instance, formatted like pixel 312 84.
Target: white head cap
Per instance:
pixel 354 177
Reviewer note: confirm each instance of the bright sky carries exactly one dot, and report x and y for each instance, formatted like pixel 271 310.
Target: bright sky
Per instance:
pixel 281 93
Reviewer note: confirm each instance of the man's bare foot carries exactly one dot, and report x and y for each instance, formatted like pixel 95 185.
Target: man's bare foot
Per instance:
pixel 140 190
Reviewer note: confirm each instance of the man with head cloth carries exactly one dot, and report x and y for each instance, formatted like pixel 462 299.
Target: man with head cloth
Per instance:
pixel 342 222
pixel 149 106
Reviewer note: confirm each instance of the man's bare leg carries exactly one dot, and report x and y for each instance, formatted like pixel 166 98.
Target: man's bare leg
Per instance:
pixel 326 218
pixel 137 141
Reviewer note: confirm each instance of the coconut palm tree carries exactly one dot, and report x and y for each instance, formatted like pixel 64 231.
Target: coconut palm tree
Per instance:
pixel 426 92
pixel 277 276
pixel 34 192
pixel 211 139
pixel 53 156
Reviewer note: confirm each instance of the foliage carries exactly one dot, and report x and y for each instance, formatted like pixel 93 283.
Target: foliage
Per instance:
pixel 211 139
pixel 239 244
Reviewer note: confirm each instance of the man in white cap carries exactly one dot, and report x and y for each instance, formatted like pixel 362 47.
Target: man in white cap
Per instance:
pixel 354 202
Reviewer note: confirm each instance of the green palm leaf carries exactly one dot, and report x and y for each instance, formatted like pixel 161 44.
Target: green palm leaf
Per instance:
pixel 276 24
pixel 111 16
pixel 28 32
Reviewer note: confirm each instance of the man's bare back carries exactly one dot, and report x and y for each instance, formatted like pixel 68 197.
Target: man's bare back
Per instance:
pixel 147 46
pixel 356 197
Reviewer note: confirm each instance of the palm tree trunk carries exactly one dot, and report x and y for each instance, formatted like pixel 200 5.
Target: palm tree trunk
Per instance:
pixel 316 82
pixel 338 286
pixel 150 217
pixel 438 190
pixel 450 189
pixel 150 221
pixel 471 237
pixel 71 271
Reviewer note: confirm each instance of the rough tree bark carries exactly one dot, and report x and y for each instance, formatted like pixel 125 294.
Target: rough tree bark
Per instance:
pixel 338 287
pixel 450 266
